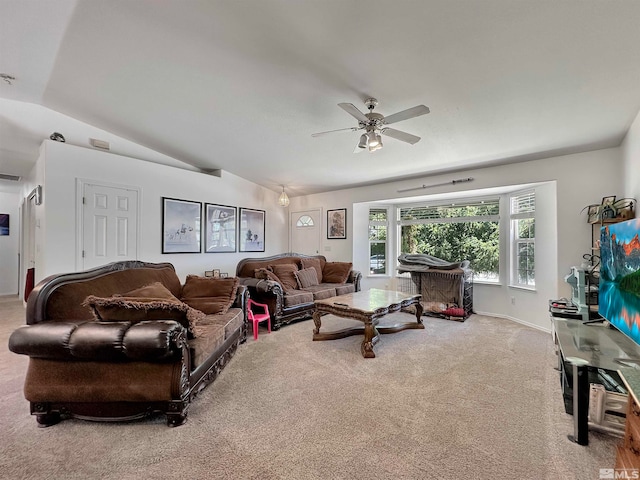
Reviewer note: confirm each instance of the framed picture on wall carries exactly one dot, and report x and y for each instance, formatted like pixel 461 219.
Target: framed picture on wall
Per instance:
pixel 252 230
pixel 181 220
pixel 4 224
pixel 219 228
pixel 337 223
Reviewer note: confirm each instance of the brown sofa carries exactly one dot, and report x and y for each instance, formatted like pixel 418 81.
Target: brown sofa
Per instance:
pixel 287 299
pixel 131 361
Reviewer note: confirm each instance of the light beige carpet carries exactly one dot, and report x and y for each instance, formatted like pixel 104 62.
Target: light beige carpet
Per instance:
pixel 473 400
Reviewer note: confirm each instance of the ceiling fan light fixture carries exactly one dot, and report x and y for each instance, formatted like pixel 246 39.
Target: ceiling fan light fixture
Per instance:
pixel 374 124
pixel 283 200
pixel 375 142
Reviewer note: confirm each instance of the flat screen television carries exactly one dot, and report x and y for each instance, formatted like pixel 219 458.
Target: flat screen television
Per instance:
pixel 619 292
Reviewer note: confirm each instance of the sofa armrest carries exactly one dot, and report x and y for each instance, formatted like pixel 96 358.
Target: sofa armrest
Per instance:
pixel 242 297
pixel 354 277
pixel 149 341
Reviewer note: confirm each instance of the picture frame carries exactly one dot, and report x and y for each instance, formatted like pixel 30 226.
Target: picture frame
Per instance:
pixel 220 228
pixel 337 224
pixel 4 224
pixel 216 273
pixel 608 200
pixel 224 275
pixel 593 213
pixel 181 225
pixel 252 230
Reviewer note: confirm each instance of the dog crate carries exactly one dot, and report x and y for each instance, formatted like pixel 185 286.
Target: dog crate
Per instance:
pixel 445 293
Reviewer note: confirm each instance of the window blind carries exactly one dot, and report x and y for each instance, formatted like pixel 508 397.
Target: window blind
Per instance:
pixel 454 210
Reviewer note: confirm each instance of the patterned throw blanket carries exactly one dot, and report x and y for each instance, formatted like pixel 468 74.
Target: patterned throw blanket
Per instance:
pixel 420 262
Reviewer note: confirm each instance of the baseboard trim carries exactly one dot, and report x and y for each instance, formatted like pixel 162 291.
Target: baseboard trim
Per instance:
pixel 9 296
pixel 516 320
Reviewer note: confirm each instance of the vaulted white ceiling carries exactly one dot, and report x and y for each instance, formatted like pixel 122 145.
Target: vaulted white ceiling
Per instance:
pixel 241 86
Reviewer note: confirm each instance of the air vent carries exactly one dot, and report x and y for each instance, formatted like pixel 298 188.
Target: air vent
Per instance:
pixel 101 144
pixel 12 178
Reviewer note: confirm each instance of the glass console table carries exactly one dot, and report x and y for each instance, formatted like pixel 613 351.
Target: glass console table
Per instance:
pixel 590 353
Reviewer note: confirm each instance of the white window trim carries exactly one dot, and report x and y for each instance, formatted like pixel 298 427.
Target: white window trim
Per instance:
pixel 387 223
pixel 461 201
pixel 513 241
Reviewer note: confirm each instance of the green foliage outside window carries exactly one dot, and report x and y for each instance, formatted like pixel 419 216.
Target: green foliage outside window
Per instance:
pixel 469 238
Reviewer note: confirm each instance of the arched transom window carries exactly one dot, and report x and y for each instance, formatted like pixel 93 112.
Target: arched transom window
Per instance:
pixel 305 221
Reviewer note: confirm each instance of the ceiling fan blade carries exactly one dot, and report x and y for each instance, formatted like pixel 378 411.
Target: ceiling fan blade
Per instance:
pixel 406 114
pixel 398 135
pixel 351 129
pixel 352 110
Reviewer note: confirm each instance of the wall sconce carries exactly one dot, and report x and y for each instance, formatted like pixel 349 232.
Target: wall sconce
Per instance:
pixel 283 200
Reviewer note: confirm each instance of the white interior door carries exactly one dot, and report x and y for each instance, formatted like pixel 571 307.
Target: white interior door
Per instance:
pixel 109 224
pixel 305 228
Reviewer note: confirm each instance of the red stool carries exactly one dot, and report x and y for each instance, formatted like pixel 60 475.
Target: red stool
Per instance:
pixel 256 318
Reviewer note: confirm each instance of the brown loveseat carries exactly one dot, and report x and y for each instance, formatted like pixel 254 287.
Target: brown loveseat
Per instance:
pixel 146 352
pixel 284 283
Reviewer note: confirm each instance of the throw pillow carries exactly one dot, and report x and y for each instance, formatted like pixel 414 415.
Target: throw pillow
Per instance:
pixel 336 272
pixel 153 290
pixel 454 312
pixel 151 302
pixel 287 276
pixel 307 277
pixel 315 263
pixel 264 274
pixel 210 295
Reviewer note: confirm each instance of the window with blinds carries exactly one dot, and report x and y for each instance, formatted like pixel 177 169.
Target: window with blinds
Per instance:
pixel 485 208
pixel 524 204
pixel 462 230
pixel 523 239
pixel 378 228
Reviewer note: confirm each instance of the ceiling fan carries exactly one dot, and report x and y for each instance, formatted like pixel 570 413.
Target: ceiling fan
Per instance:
pixel 374 125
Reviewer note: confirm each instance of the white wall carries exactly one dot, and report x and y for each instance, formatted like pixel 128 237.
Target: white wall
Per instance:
pixel 631 161
pixel 61 164
pixel 9 246
pixel 579 180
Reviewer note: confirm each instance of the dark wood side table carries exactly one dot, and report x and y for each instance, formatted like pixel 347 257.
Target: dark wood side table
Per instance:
pixel 368 307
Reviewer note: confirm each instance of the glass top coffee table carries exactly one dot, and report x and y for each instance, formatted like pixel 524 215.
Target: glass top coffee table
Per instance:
pixel 368 307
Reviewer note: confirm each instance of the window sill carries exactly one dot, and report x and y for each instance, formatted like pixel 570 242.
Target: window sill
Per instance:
pixel 481 282
pixel 522 287
pixel 378 275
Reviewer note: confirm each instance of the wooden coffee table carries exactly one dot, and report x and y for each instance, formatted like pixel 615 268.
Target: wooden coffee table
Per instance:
pixel 368 307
